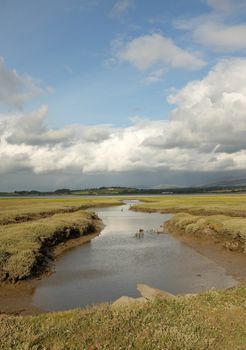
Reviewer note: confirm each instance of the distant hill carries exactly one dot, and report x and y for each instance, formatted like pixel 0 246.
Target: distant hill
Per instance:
pixel 165 187
pixel 227 183
pixel 225 186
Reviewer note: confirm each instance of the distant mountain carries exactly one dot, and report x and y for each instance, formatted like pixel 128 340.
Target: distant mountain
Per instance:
pixel 165 187
pixel 227 183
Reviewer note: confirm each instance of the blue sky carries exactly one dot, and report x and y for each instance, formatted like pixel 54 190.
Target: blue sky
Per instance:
pixel 115 66
pixel 68 45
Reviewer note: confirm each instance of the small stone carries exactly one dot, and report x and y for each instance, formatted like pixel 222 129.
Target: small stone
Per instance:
pixel 127 301
pixel 153 293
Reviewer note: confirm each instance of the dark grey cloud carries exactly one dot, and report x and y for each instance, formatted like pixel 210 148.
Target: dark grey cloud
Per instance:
pixel 14 164
pixel 26 180
pixel 30 130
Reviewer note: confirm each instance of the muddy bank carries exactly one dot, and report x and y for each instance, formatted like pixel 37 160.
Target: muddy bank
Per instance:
pixel 215 248
pixel 16 298
pixel 223 230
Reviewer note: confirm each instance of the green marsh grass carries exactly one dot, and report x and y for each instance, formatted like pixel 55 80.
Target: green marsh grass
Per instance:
pixel 214 320
pixel 232 205
pixel 25 209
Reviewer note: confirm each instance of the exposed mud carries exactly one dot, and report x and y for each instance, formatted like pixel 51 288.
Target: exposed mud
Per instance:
pixel 217 249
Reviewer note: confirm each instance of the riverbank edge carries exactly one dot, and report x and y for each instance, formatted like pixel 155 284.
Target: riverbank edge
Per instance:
pixel 51 247
pixel 208 234
pixel 225 250
pixel 15 298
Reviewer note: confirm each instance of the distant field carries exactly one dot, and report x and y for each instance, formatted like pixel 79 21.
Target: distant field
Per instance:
pixel 25 209
pixel 232 205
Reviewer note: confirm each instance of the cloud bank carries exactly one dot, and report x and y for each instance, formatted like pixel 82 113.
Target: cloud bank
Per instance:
pixel 205 132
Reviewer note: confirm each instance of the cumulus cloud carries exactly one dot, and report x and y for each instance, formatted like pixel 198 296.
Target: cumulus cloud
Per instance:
pixel 30 129
pixel 120 7
pixel 16 89
pixel 212 111
pixel 147 51
pixel 205 132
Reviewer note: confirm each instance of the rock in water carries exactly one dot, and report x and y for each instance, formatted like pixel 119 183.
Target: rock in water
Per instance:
pixel 126 301
pixel 153 293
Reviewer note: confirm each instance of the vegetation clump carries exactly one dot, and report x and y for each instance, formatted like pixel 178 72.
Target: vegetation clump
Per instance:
pixel 230 231
pixel 29 228
pixel 25 247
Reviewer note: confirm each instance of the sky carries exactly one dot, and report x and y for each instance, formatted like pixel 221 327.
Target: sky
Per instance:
pixel 121 92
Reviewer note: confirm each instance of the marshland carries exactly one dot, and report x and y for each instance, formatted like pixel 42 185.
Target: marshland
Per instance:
pixel 40 236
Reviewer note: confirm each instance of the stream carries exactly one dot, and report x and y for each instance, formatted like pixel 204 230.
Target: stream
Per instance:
pixel 113 263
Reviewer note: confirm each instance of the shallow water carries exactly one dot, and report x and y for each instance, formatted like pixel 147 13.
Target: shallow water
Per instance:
pixel 113 263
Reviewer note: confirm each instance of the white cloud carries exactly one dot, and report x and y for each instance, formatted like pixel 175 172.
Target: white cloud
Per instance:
pixel 206 132
pixel 30 129
pixel 120 7
pixel 214 110
pixel 147 51
pixel 219 36
pixel 220 29
pixel 16 89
